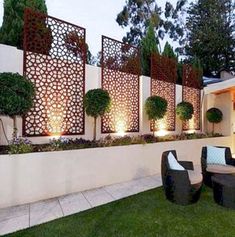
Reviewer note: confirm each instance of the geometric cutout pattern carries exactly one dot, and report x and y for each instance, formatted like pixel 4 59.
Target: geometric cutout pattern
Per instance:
pixel 192 93
pixel 54 60
pixel 120 77
pixel 163 84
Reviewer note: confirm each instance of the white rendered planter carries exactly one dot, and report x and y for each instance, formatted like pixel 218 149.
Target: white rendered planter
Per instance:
pixel 36 176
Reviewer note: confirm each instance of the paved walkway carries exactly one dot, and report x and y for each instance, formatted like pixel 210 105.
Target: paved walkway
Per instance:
pixel 21 217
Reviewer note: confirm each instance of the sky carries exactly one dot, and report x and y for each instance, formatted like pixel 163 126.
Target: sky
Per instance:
pixel 97 16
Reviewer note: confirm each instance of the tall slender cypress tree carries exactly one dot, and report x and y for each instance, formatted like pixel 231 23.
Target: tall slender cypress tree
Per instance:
pixel 149 45
pixel 169 51
pixel 11 32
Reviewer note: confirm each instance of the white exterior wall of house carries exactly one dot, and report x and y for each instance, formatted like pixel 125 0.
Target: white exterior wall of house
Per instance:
pixel 11 60
pixel 224 103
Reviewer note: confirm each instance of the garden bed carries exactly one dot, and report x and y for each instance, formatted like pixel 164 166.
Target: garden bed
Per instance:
pixel 36 176
pixel 23 145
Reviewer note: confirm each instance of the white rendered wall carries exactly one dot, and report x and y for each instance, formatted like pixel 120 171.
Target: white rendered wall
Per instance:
pixel 37 176
pixel 11 60
pixel 223 102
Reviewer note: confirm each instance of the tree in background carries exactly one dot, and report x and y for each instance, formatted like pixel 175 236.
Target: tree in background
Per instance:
pixel 148 47
pixel 77 46
pixel 11 32
pixel 138 14
pixel 169 51
pixel 211 29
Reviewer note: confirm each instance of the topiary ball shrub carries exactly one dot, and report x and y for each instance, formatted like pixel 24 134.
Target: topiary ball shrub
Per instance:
pixel 184 111
pixel 16 96
pixel 214 115
pixel 155 107
pixel 96 103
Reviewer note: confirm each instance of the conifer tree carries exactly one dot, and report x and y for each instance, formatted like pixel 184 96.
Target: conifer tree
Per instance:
pixel 11 31
pixel 148 47
pixel 211 35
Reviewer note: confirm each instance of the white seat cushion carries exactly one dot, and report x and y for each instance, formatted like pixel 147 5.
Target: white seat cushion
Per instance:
pixel 173 163
pixel 216 155
pixel 195 177
pixel 221 169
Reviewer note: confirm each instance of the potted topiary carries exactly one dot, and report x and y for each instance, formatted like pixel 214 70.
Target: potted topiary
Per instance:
pixel 214 116
pixel 16 96
pixel 156 108
pixel 184 111
pixel 96 103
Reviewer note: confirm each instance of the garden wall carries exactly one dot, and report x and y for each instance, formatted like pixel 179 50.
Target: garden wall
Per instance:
pixel 37 176
pixel 11 60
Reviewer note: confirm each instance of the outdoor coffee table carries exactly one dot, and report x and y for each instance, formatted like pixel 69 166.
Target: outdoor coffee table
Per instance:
pixel 224 189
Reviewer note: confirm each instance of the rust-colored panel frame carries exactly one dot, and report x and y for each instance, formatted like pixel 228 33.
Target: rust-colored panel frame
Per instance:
pixel 54 60
pixel 163 83
pixel 120 77
pixel 192 93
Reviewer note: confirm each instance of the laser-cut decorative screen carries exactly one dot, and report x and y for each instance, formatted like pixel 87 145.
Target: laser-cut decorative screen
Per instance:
pixel 54 60
pixel 163 79
pixel 120 77
pixel 192 94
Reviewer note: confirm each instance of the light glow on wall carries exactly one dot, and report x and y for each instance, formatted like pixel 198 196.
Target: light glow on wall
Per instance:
pixel 55 121
pixel 121 128
pixel 191 124
pixel 161 125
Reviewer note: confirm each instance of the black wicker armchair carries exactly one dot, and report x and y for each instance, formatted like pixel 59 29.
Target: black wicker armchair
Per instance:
pixel 209 170
pixel 181 186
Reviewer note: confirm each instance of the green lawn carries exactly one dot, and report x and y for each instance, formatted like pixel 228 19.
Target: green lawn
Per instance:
pixel 144 215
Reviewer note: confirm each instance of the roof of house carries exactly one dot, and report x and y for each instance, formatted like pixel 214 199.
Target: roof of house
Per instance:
pixel 220 86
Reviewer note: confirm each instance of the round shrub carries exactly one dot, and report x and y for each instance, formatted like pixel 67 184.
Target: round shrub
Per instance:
pixel 16 96
pixel 214 115
pixel 156 107
pixel 184 111
pixel 96 103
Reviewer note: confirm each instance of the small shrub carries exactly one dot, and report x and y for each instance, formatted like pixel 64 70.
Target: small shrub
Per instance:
pixel 20 145
pixel 214 116
pixel 96 103
pixel 16 96
pixel 184 111
pixel 138 140
pixel 58 144
pixel 156 108
pixel 122 141
pixel 149 138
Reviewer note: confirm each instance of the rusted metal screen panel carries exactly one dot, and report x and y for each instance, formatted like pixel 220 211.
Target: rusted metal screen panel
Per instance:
pixel 120 77
pixel 163 84
pixel 192 93
pixel 54 60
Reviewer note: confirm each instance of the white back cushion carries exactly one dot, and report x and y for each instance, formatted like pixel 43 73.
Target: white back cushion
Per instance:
pixel 216 155
pixel 173 163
